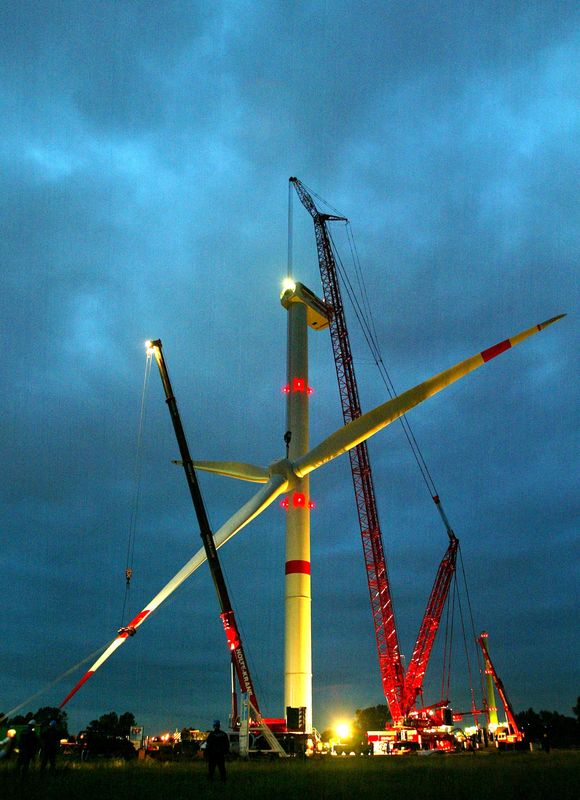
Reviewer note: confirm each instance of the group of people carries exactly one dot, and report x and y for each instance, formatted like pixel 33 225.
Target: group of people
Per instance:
pixel 29 743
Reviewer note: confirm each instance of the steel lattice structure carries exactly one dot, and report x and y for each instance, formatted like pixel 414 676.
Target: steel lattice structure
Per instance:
pixel 392 673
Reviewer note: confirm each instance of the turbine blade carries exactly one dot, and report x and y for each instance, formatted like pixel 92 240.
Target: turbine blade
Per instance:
pixel 101 660
pixel 255 505
pixel 361 429
pixel 232 469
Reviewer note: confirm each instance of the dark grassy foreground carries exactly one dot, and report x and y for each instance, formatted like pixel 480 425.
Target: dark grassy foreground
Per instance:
pixel 511 776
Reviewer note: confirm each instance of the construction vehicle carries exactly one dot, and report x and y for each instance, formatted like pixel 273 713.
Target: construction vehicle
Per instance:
pixel 238 658
pixel 508 734
pixel 401 689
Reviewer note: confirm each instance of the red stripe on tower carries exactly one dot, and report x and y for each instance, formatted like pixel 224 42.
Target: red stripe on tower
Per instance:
pixel 301 567
pixel 496 350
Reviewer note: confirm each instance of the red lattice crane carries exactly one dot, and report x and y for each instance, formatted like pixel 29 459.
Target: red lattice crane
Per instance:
pixel 514 734
pixel 400 690
pixel 429 626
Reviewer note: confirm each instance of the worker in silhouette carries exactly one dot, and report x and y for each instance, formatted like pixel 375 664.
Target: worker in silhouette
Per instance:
pixel 49 744
pixel 216 748
pixel 546 740
pixel 27 748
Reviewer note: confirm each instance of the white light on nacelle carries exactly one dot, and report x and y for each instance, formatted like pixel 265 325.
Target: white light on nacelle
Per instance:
pixel 288 285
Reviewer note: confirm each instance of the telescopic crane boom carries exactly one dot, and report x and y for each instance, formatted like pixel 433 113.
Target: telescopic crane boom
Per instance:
pixel 227 613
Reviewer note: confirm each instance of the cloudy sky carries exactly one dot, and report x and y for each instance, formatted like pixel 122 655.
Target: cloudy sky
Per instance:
pixel 145 156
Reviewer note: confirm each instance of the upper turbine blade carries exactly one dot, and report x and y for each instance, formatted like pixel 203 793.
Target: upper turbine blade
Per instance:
pixel 255 505
pixel 361 429
pixel 233 469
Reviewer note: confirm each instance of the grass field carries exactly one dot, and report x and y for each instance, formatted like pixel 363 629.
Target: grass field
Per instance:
pixel 509 776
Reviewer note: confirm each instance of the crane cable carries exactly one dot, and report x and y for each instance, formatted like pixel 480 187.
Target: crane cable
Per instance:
pixel 366 321
pixel 480 665
pixel 363 312
pixel 448 639
pixel 468 660
pixel 446 651
pixel 290 230
pixel 137 470
pixel 322 200
pixel 451 637
pixel 370 335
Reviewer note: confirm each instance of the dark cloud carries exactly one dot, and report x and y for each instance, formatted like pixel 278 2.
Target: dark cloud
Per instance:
pixel 144 163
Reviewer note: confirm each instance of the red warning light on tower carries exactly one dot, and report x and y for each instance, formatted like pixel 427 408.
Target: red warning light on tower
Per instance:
pixel 298 501
pixel 298 386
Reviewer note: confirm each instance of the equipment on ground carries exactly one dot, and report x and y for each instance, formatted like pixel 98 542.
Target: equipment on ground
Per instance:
pixel 510 734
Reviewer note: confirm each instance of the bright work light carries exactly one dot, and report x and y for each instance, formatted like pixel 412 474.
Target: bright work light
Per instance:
pixel 343 730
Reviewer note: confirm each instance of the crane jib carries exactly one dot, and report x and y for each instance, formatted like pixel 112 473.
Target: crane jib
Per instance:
pixel 227 613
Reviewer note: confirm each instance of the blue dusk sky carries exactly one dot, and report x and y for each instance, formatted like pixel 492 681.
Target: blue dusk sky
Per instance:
pixel 145 153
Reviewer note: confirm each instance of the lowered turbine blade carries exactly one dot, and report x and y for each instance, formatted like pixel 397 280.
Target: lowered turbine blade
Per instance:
pixel 232 469
pixel 361 429
pixel 255 505
pixel 117 642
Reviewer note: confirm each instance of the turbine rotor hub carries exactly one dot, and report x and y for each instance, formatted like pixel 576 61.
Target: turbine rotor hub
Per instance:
pixel 285 468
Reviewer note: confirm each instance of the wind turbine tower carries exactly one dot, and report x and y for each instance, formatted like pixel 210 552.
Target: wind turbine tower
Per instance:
pixel 304 310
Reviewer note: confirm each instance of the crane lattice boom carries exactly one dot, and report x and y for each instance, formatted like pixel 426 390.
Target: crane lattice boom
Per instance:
pixel 372 541
pixel 429 626
pixel 400 690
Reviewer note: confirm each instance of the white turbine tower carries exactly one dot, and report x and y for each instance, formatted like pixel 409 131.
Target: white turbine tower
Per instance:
pixel 290 475
pixel 304 309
